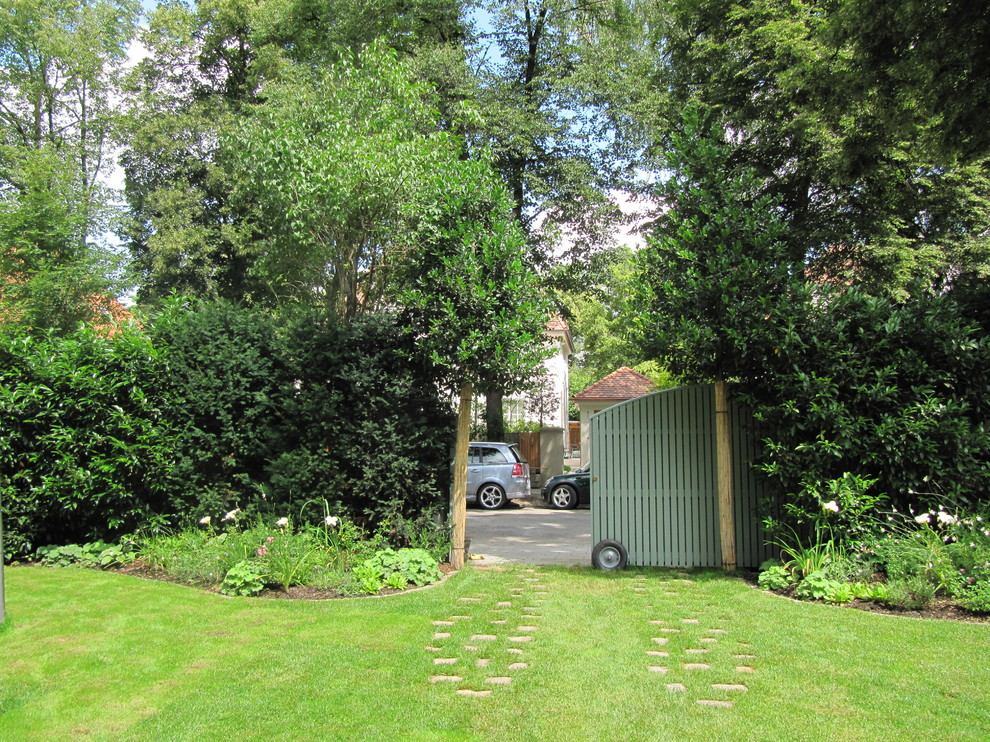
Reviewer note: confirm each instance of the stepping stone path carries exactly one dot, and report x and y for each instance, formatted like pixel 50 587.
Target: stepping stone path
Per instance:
pixel 696 634
pixel 685 626
pixel 502 660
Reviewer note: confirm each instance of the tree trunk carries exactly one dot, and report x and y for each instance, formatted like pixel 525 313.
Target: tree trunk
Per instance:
pixel 494 419
pixel 458 495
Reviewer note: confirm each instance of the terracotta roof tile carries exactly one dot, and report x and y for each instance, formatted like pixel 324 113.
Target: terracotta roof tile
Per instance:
pixel 619 385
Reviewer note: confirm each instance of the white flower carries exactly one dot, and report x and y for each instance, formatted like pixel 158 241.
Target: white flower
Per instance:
pixel 944 517
pixel 923 518
pixel 232 514
pixel 833 506
pixel 204 521
pixel 282 522
pixel 333 521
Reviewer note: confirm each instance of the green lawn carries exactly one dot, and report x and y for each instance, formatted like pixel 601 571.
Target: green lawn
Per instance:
pixel 90 655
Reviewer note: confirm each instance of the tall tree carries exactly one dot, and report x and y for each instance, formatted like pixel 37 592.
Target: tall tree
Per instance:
pixel 860 198
pixel 472 301
pixel 206 67
pixel 544 135
pixel 59 66
pixel 335 165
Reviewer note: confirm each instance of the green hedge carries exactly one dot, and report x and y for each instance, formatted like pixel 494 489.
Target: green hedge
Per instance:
pixel 215 407
pixel 84 445
pixel 893 391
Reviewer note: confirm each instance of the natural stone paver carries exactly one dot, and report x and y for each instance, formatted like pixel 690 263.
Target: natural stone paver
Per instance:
pixel 498 680
pixel 744 656
pixel 655 668
pixel 697 666
pixel 482 663
pixel 729 686
pixel 432 649
pixel 470 648
pixel 530 609
pixel 676 687
pixel 690 620
pixel 661 639
pixel 526 628
pixel 445 678
pixel 520 638
pixel 709 640
pixel 695 651
pixel 445 661
pixel 470 600
pixel 513 650
pixel 518 666
pixel 654 653
pixel 499 622
pixel 483 637
pixel 716 631
pixel 745 668
pixel 716 704
pixel 504 604
pixel 472 693
pixel 443 623
pixel 671 631
pixel 442 635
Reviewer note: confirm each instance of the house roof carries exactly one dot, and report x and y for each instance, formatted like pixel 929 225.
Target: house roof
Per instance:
pixel 558 327
pixel 618 386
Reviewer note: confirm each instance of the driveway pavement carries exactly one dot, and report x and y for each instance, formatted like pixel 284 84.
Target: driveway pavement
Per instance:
pixel 529 532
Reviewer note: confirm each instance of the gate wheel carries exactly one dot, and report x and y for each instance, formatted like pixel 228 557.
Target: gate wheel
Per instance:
pixel 609 554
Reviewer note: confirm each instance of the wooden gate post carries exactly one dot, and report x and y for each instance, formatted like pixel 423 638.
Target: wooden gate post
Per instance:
pixel 723 448
pixel 458 495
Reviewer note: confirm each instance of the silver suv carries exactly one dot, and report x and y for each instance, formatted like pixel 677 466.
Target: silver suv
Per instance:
pixel 496 473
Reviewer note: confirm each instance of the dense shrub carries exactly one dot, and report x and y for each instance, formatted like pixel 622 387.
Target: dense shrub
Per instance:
pixel 365 427
pixel 893 392
pixel 84 449
pixel 216 408
pixel 226 388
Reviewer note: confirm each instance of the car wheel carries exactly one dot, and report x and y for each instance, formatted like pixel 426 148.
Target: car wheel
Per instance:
pixel 563 497
pixel 491 497
pixel 609 555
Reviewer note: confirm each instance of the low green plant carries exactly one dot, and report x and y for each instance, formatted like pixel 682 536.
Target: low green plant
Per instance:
pixel 775 577
pixel 94 555
pixel 977 598
pixel 415 565
pixel 803 558
pixel 395 581
pixel 840 594
pixel 288 557
pixel 876 591
pixel 816 586
pixel 370 578
pixel 910 593
pixel 244 578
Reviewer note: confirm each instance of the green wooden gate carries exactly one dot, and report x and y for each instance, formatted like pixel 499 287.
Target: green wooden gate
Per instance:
pixel 654 486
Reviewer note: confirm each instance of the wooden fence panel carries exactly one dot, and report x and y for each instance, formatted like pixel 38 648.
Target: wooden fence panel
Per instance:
pixel 654 481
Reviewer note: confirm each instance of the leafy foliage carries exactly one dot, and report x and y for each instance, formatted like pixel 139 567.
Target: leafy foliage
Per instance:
pixel 889 391
pixel 225 386
pixel 244 578
pixel 84 446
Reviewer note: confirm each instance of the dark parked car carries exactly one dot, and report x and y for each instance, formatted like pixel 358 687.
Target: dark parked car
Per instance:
pixel 566 491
